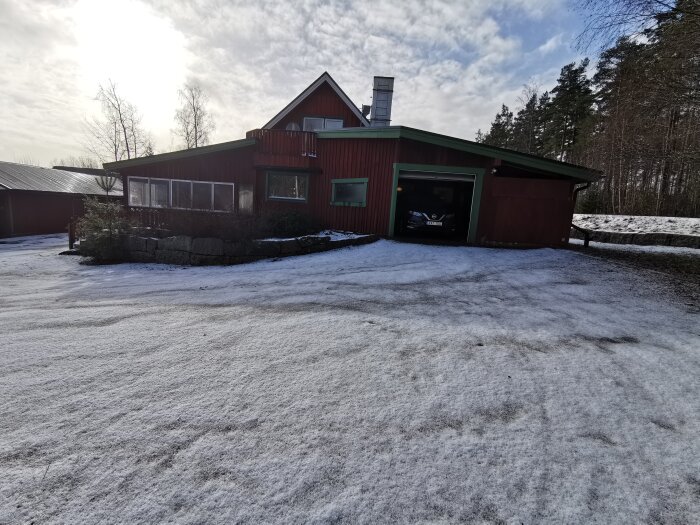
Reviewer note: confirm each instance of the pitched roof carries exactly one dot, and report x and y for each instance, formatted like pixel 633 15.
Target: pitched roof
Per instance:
pixel 33 178
pixel 565 169
pixel 308 91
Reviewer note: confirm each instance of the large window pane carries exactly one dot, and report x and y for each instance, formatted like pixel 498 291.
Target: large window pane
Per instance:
pixel 289 186
pixel 182 194
pixel 160 193
pixel 313 124
pixel 223 197
pixel 332 123
pixel 138 192
pixel 245 198
pixel 201 195
pixel 350 193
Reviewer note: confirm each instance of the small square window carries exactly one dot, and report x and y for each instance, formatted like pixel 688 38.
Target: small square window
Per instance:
pixel 201 195
pixel 313 124
pixel 349 192
pixel 287 186
pixel 223 197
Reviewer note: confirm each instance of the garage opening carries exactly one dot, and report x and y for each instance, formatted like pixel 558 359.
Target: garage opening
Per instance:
pixel 433 206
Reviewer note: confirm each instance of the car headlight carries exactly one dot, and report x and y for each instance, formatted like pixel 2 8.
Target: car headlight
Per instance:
pixel 415 214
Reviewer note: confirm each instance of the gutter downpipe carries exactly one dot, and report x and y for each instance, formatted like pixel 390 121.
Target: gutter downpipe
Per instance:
pixel 586 233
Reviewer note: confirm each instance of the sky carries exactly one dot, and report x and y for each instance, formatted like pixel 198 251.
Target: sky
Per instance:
pixel 454 62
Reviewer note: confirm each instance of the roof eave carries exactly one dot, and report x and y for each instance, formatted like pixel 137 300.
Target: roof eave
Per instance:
pixel 180 154
pixel 522 159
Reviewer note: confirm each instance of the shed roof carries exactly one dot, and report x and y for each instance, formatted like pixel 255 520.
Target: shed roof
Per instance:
pixel 34 178
pixel 180 154
pixel 517 158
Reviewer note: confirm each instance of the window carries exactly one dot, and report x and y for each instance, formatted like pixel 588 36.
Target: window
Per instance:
pixel 160 193
pixel 287 186
pixel 349 192
pixel 223 197
pixel 182 194
pixel 138 192
pixel 201 195
pixel 245 198
pixel 320 123
pixel 334 123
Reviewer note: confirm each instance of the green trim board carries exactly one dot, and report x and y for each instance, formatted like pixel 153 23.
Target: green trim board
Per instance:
pixel 181 154
pixel 360 204
pixel 470 174
pixel 514 157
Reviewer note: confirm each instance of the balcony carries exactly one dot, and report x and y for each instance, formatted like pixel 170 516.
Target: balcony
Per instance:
pixel 283 149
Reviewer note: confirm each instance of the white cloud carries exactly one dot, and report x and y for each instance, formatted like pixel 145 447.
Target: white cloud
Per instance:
pixel 453 61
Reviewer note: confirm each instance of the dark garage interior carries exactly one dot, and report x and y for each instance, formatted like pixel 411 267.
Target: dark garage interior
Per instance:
pixel 433 207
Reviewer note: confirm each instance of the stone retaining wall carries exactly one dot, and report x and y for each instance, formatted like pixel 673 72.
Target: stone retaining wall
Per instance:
pixel 197 251
pixel 644 239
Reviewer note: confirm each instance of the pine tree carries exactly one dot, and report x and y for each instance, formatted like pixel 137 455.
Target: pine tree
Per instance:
pixel 501 132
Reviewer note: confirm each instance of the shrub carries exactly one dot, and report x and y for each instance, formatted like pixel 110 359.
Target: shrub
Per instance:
pixel 100 228
pixel 286 224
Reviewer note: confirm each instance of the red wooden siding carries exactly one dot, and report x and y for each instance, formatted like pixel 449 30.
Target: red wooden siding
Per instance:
pixel 516 206
pixel 286 149
pixel 223 166
pixel 413 152
pixel 37 212
pixel 324 102
pixel 356 158
pixel 525 211
pixel 521 208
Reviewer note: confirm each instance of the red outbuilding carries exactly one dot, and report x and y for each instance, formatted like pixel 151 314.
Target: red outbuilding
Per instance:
pixel 35 200
pixel 323 157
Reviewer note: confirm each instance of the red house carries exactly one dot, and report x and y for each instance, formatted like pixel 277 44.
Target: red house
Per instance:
pixel 323 157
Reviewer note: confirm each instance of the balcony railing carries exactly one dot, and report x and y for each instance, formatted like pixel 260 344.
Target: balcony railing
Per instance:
pixel 281 148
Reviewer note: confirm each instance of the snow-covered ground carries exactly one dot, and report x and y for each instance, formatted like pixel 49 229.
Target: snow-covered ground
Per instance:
pixel 334 235
pixel 638 224
pixel 670 250
pixel 382 383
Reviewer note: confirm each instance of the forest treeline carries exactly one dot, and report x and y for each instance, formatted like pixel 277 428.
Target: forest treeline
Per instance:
pixel 635 117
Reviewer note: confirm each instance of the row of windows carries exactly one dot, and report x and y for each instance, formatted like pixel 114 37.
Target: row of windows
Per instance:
pixel 189 195
pixel 316 124
pixel 295 186
pixel 220 196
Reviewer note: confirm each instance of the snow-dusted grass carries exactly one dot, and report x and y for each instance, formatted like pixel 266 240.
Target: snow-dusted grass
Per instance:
pixel 388 382
pixel 638 224
pixel 635 248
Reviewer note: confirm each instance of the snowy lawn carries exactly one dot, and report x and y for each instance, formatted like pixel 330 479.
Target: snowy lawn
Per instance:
pixel 382 383
pixel 638 224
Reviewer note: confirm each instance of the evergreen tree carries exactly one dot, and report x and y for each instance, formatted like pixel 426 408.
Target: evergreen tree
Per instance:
pixel 525 126
pixel 501 132
pixel 570 108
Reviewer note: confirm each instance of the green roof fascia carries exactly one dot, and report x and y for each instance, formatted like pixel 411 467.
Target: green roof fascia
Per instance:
pixel 181 154
pixel 514 157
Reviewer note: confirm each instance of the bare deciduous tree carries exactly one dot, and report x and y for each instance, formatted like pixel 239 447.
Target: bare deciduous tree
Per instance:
pixel 609 20
pixel 118 134
pixel 193 122
pixel 76 162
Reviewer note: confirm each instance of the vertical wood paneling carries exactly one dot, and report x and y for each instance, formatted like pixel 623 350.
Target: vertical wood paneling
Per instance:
pixel 324 102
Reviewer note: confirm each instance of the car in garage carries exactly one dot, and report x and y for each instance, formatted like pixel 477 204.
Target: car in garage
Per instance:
pixel 429 213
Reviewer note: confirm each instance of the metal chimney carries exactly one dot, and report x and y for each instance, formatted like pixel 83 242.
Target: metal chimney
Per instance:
pixel 383 92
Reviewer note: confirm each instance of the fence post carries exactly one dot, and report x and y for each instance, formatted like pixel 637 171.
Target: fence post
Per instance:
pixel 71 234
